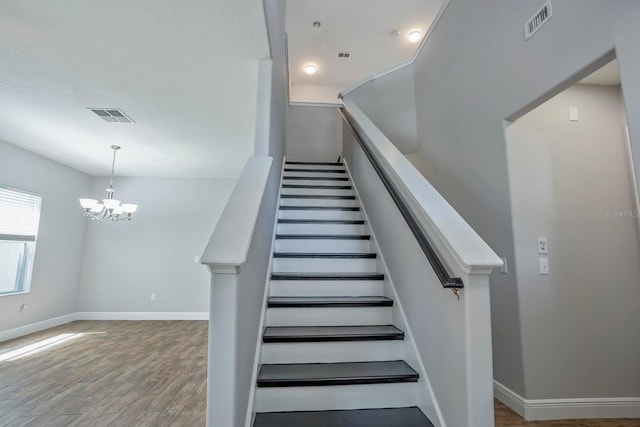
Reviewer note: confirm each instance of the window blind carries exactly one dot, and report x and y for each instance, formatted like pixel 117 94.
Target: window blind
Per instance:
pixel 19 212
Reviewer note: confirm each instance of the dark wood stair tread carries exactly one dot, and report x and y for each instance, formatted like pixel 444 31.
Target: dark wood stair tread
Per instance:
pixel 326 276
pixel 326 374
pixel 321 221
pixel 315 163
pixel 319 208
pixel 325 255
pixel 328 302
pixel 388 417
pixel 286 169
pixel 324 236
pixel 287 334
pixel 315 196
pixel 325 187
pixel 317 178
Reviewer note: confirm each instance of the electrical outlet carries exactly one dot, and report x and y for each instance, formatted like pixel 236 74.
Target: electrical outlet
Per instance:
pixel 542 245
pixel 196 258
pixel 23 308
pixel 153 296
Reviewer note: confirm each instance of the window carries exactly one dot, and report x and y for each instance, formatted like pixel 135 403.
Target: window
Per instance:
pixel 19 218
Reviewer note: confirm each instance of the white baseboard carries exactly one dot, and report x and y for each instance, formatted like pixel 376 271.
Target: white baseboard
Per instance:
pixel 135 315
pixel 553 409
pixel 36 327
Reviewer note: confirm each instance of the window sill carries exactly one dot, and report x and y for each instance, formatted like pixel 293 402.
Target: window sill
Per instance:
pixel 7 294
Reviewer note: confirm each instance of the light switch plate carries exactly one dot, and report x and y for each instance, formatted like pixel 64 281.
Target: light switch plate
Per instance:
pixel 544 266
pixel 543 248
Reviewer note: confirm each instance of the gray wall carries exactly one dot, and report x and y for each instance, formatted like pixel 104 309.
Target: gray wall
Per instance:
pixel 313 134
pixel 125 262
pixel 390 103
pixel 565 176
pixel 56 270
pixel 475 71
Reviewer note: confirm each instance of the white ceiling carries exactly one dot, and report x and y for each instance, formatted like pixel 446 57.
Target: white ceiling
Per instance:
pixel 185 71
pixel 362 28
pixel 609 75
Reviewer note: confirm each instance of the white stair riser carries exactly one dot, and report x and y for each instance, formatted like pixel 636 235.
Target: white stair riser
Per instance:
pixel 319 214
pixel 319 191
pixel 395 395
pixel 322 246
pixel 316 174
pixel 318 202
pixel 321 167
pixel 316 181
pixel 320 316
pixel 321 229
pixel 320 265
pixel 322 288
pixel 332 352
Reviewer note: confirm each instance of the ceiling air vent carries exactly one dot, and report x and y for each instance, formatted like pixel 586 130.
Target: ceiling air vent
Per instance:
pixel 538 20
pixel 344 55
pixel 112 115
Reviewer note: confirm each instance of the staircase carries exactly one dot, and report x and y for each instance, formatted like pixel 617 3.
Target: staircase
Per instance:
pixel 330 355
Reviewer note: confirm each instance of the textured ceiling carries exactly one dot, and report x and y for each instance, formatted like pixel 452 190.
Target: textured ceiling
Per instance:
pixel 185 71
pixel 362 28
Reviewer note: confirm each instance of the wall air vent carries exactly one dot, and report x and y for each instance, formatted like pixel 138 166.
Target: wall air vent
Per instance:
pixel 112 115
pixel 344 55
pixel 538 20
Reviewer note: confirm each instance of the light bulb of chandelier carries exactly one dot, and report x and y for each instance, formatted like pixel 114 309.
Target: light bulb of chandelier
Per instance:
pixel 118 210
pixel 88 203
pixel 129 208
pixel 97 208
pixel 111 203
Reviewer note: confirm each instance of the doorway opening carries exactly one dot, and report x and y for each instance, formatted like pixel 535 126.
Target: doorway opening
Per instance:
pixel 575 208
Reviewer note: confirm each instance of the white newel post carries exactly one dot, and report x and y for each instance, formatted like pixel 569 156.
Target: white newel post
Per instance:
pixel 225 255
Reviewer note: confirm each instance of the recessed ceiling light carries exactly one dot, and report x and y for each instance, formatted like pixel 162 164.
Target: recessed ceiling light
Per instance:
pixel 317 24
pixel 414 36
pixel 310 69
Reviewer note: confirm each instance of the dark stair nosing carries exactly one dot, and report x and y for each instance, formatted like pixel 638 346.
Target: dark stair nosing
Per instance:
pixel 323 237
pixel 318 187
pixel 326 276
pixel 297 334
pixel 385 417
pixel 315 170
pixel 325 255
pixel 322 221
pixel 328 302
pixel 329 374
pixel 314 163
pixel 317 178
pixel 312 196
pixel 320 208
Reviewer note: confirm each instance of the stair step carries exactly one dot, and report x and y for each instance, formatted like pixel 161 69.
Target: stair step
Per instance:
pixel 328 374
pixel 319 208
pixel 327 187
pixel 327 276
pixel 324 236
pixel 307 170
pixel 324 255
pixel 329 302
pixel 317 178
pixel 322 221
pixel 315 163
pixel 389 417
pixel 316 196
pixel 331 333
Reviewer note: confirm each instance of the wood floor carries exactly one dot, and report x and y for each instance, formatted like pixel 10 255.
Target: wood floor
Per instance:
pixel 133 373
pixel 150 373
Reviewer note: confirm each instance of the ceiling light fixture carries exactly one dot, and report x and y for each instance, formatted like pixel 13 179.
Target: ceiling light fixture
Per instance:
pixel 110 207
pixel 310 69
pixel 316 24
pixel 414 36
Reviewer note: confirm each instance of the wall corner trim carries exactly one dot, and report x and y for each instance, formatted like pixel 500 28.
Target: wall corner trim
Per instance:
pixel 575 408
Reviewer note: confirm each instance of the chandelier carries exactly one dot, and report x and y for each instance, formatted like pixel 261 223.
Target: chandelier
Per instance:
pixel 109 207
